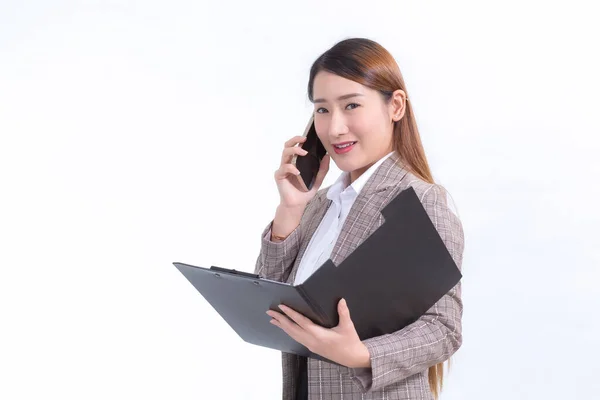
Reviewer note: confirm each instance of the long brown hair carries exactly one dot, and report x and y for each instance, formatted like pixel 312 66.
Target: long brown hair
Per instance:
pixel 370 64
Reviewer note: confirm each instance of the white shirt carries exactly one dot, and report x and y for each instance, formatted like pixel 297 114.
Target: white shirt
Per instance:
pixel 342 194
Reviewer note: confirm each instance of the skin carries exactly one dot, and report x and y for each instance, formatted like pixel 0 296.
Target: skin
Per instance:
pixel 369 120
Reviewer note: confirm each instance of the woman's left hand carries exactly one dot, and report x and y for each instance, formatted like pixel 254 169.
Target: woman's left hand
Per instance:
pixel 340 344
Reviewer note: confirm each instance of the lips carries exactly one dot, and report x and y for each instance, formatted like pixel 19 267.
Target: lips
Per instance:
pixel 344 149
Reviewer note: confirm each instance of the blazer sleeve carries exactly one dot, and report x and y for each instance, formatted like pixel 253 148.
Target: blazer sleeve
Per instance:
pixel 276 259
pixel 435 336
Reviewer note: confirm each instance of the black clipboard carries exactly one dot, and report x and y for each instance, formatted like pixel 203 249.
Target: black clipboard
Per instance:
pixel 391 279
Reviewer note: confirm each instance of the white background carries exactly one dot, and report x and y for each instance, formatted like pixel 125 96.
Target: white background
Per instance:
pixel 137 133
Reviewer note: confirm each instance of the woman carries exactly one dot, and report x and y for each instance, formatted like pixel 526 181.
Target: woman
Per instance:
pixel 363 117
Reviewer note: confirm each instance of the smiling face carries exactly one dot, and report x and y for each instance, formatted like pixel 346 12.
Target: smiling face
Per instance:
pixel 346 111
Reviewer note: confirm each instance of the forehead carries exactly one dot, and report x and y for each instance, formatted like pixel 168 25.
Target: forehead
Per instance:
pixel 329 86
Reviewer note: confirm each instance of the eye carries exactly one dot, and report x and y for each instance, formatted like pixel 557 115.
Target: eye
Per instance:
pixel 353 104
pixel 318 110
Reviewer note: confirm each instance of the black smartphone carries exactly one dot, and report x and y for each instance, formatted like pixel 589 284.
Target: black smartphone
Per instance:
pixel 308 165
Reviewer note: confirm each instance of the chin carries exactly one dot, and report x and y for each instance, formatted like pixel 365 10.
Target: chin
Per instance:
pixel 348 166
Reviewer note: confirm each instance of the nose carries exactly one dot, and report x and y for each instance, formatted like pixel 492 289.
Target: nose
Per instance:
pixel 337 126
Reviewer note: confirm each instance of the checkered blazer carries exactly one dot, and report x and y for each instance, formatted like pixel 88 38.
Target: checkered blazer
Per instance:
pixel 400 360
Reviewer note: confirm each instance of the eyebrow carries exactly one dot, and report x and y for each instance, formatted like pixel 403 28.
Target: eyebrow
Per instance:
pixel 346 96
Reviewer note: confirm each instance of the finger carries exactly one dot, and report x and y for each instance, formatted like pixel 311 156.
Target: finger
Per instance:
pixel 293 141
pixel 323 169
pixel 285 170
pixel 343 308
pixel 288 326
pixel 298 318
pixel 288 154
pixel 344 313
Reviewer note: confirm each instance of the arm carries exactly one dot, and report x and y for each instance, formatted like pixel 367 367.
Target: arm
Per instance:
pixel 435 336
pixel 276 258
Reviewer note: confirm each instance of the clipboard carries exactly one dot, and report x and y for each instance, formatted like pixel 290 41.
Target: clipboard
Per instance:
pixel 242 299
pixel 390 280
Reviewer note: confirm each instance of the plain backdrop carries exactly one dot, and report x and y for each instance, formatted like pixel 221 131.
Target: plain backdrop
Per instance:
pixel 138 133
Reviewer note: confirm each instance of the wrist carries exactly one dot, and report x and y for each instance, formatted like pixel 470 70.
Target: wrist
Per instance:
pixel 291 210
pixel 363 357
pixel 278 238
pixel 286 220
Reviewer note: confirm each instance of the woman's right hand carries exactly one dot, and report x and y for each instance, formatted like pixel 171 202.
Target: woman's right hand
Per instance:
pixel 291 196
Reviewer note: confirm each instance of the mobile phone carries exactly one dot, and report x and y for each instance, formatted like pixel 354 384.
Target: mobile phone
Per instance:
pixel 308 164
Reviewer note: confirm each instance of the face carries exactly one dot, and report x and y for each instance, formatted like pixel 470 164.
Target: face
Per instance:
pixel 346 111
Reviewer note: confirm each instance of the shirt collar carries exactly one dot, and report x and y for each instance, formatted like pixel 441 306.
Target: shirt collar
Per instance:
pixel 343 181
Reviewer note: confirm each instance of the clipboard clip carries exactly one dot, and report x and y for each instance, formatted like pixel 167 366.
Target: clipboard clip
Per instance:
pixel 234 272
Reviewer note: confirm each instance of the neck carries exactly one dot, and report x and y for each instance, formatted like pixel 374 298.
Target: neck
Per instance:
pixel 354 175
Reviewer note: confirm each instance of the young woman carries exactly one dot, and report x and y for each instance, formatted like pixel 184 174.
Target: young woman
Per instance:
pixel 366 123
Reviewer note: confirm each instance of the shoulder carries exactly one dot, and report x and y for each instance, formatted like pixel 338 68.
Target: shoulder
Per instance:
pixel 436 202
pixel 430 194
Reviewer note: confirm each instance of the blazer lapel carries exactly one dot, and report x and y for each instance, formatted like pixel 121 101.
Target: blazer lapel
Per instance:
pixel 364 216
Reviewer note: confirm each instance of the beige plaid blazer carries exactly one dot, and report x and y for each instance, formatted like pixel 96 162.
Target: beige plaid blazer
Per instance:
pixel 400 360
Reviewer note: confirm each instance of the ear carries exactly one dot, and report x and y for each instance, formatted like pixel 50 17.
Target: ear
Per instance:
pixel 397 105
